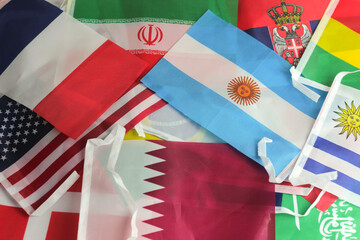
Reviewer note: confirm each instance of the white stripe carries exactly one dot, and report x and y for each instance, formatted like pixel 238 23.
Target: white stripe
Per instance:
pixel 3 3
pixel 48 161
pixel 54 179
pixel 313 84
pixel 336 163
pixel 66 144
pixel 48 59
pixel 6 199
pixel 126 34
pixel 303 191
pixel 74 160
pixel 30 154
pixel 57 194
pixel 37 227
pixel 284 119
pixel 335 189
pixel 138 109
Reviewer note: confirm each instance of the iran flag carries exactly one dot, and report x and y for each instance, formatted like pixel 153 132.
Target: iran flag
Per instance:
pixel 60 68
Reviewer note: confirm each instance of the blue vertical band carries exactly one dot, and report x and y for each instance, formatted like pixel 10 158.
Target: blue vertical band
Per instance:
pixel 20 22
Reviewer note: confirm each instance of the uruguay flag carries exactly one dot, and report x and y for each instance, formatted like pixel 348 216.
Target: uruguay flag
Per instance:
pixel 60 68
pixel 237 88
pixel 334 143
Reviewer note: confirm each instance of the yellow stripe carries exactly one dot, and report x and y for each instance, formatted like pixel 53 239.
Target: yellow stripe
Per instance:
pixel 68 7
pixel 132 135
pixel 342 42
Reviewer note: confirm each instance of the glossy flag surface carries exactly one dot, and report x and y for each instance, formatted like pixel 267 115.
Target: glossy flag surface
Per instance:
pixel 148 29
pixel 37 162
pixel 334 46
pixel 60 68
pixel 333 145
pixel 285 26
pixel 59 222
pixel 179 190
pixel 217 76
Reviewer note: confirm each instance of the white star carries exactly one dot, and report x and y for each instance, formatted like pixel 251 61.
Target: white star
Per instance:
pixel 6 120
pixel 20 125
pixel 1 135
pixel 5 150
pixel 9 134
pixel 24 110
pixel 12 127
pixel 44 122
pixel 36 123
pixel 7 111
pixel 13 119
pixel 9 104
pixel 0 142
pixel 3 127
pixel 24 140
pixel 17 134
pixel 3 158
pixel 37 116
pixel 28 124
pixel 7 142
pixel 30 117
pixel 16 111
pixel 22 118
pixel 17 104
pixel 14 150
pixel 26 132
pixel 16 141
pixel 34 131
pixel 0 111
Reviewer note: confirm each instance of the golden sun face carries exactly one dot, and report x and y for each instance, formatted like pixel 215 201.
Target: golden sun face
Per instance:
pixel 349 120
pixel 243 91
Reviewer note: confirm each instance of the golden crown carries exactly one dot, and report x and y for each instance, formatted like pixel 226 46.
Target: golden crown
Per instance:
pixel 285 13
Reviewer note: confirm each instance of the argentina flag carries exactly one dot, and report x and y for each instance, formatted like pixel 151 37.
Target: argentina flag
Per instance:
pixel 237 88
pixel 334 143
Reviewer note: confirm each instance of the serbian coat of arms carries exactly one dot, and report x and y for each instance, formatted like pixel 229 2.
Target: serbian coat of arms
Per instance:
pixel 289 35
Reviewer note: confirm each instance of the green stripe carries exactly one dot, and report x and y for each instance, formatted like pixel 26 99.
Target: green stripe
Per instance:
pixel 322 67
pixel 352 80
pixel 187 10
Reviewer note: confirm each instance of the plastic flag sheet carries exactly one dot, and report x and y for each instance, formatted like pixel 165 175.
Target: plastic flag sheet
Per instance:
pixel 179 120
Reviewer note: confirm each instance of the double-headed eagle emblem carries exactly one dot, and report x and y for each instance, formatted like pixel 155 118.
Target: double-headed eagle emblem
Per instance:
pixel 293 45
pixel 287 17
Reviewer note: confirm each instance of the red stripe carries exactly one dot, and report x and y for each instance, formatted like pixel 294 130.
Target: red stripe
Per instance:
pixel 325 202
pixel 144 114
pixel 41 200
pixel 34 162
pixel 345 14
pixel 250 16
pixel 81 98
pixel 80 145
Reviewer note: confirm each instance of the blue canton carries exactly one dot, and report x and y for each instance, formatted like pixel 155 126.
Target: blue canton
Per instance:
pixel 20 130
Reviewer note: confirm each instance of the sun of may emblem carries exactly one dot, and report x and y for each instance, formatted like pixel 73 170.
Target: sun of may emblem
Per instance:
pixel 349 120
pixel 243 90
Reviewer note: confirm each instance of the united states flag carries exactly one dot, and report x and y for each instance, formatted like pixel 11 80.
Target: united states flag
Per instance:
pixel 38 163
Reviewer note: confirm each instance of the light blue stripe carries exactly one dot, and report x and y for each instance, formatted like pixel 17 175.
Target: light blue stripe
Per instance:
pixel 255 58
pixel 217 114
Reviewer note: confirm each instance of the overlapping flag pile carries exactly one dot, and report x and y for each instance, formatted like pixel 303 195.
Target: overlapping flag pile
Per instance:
pixel 214 119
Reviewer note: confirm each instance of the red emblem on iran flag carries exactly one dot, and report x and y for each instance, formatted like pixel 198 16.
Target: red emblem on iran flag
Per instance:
pixel 150 35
